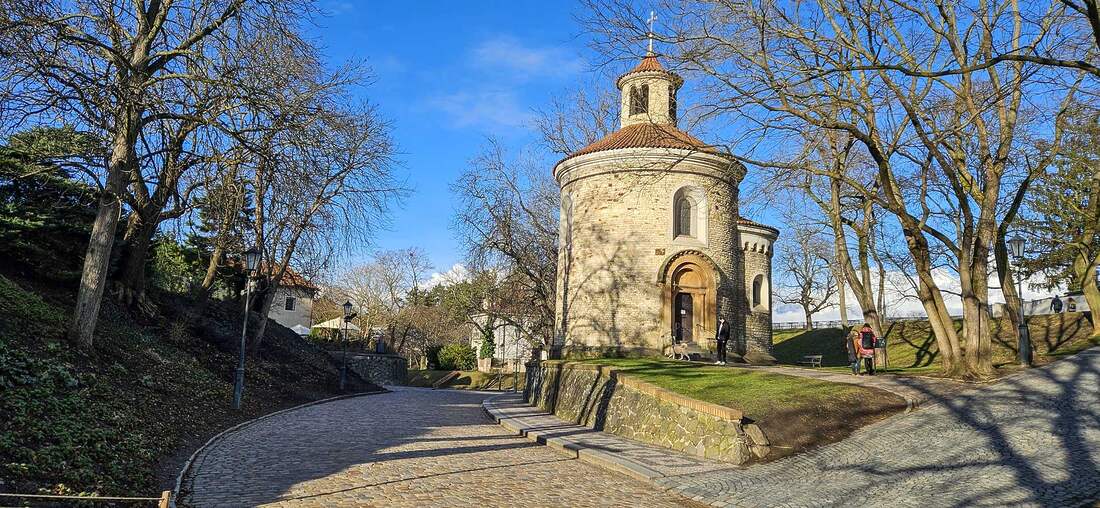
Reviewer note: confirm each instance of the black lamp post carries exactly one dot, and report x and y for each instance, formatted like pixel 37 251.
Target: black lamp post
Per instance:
pixel 1016 245
pixel 344 361
pixel 251 262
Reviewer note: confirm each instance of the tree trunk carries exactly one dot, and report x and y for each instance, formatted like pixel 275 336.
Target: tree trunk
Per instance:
pixel 93 277
pixel 842 299
pixel 947 341
pixel 136 242
pixel 809 318
pixel 262 306
pixel 1005 275
pixel 864 294
pixel 212 269
pixel 1086 277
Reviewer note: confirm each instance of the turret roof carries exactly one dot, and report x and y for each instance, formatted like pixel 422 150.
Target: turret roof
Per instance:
pixel 649 63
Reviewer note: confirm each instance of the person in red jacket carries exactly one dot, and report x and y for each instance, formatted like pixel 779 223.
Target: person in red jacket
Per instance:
pixel 867 348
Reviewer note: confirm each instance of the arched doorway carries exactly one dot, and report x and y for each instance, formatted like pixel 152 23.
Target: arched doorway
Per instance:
pixel 689 296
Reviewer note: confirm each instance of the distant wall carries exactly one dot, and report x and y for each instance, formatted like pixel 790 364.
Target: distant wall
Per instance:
pixel 378 369
pixel 601 398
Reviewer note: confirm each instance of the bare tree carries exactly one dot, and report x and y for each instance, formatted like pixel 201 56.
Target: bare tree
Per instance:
pixel 388 289
pixel 106 66
pixel 318 188
pixel 807 263
pixel 572 123
pixel 508 220
pixel 940 146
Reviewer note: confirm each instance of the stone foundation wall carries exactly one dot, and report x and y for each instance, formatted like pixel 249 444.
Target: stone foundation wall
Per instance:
pixel 380 369
pixel 603 399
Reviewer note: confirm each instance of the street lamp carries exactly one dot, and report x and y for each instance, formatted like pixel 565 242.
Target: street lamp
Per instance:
pixel 344 361
pixel 251 263
pixel 1016 245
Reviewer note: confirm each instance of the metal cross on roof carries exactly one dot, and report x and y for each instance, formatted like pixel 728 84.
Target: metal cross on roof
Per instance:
pixel 652 18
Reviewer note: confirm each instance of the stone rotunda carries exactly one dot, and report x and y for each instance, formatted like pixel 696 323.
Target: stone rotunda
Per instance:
pixel 652 246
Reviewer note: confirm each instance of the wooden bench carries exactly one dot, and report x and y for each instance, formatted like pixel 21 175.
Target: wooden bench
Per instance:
pixel 811 360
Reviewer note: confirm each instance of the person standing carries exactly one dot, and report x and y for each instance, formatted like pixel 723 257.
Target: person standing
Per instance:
pixel 851 344
pixel 867 348
pixel 1071 305
pixel 1056 305
pixel 722 335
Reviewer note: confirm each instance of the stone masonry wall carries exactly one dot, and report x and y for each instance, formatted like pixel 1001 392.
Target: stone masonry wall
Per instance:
pixel 603 399
pixel 616 222
pixel 379 369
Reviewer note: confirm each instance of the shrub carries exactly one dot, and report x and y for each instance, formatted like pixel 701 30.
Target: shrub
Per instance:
pixel 457 357
pixel 488 346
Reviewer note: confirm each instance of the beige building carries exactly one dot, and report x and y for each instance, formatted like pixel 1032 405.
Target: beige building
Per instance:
pixel 292 306
pixel 652 244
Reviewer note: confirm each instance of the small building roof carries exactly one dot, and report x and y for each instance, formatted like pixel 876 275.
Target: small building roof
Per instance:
pixel 336 324
pixel 754 224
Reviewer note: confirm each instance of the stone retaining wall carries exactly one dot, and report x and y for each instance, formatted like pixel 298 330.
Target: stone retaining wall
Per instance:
pixel 604 399
pixel 380 369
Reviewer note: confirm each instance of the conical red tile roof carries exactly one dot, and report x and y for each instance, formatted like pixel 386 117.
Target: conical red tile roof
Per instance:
pixel 649 63
pixel 647 135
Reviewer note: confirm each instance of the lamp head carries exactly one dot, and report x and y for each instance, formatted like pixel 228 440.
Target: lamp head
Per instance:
pixel 347 308
pixel 252 258
pixel 1016 246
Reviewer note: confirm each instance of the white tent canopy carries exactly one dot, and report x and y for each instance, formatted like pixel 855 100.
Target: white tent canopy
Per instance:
pixel 336 324
pixel 300 330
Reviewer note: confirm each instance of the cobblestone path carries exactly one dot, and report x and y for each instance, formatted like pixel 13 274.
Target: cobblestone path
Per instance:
pixel 1032 439
pixel 407 448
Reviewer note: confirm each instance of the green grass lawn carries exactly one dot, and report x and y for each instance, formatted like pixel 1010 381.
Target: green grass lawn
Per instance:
pixel 467 380
pixel 796 413
pixel 911 347
pixel 758 394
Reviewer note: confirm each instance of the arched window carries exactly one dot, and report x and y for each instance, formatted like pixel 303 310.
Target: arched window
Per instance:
pixel 685 215
pixel 639 99
pixel 757 291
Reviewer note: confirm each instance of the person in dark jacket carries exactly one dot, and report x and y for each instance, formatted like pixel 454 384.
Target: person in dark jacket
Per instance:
pixel 1056 305
pixel 722 335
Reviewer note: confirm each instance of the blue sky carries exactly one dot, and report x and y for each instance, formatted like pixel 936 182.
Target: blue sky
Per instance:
pixel 448 75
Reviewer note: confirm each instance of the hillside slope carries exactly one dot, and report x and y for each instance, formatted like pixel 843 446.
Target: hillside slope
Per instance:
pixel 119 421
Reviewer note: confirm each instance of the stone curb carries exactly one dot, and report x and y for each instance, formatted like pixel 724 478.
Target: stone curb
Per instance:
pixel 217 437
pixel 570 447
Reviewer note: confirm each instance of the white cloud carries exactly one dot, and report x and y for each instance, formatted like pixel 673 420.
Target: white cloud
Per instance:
pixel 457 273
pixel 336 8
pixel 510 54
pixel 484 108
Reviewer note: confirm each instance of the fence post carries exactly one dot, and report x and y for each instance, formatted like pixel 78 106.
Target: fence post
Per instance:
pixel 165 499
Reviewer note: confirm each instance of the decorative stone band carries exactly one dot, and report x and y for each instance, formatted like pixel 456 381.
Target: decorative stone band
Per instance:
pixel 603 398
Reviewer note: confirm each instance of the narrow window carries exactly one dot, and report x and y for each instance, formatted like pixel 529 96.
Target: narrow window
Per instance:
pixel 683 217
pixel 757 290
pixel 289 303
pixel 639 99
pixel 672 103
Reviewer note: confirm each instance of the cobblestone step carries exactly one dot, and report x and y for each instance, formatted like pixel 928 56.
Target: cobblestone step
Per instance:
pixel 636 459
